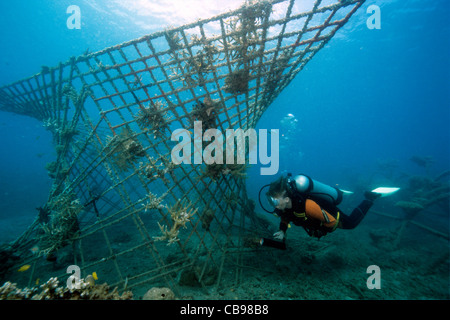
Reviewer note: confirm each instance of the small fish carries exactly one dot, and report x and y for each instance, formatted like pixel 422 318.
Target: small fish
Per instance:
pixel 37 281
pixel 94 275
pixel 34 250
pixel 24 268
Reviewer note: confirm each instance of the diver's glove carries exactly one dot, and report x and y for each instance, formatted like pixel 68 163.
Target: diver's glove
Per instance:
pixel 371 196
pixel 279 235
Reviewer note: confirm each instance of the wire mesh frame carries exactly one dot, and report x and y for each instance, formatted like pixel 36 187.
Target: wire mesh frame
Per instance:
pixel 88 101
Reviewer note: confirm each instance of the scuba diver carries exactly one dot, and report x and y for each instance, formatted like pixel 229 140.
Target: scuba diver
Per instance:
pixel 313 206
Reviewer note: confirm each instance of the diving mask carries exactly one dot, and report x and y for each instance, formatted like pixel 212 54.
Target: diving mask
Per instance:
pixel 273 202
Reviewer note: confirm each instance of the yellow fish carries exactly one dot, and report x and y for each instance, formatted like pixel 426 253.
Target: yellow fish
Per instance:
pixel 94 275
pixel 24 268
pixel 37 281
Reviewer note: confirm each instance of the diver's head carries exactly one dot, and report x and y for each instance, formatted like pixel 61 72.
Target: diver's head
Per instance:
pixel 277 195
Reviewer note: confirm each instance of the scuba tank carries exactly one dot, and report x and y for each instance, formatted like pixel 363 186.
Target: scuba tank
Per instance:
pixel 314 190
pixel 305 187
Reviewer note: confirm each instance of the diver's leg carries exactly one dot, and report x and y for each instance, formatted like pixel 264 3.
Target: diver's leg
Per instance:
pixel 351 221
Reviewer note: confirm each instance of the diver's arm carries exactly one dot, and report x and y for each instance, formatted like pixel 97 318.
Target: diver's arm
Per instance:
pixel 283 226
pixel 281 234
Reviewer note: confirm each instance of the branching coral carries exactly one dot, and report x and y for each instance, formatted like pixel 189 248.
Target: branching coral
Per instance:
pixel 157 168
pixel 206 112
pixel 154 119
pixel 62 225
pixel 63 131
pixel 244 34
pixel 124 149
pixel 213 171
pixel 153 202
pixel 174 40
pixel 236 168
pixel 218 171
pixel 180 213
pixel 239 171
pixel 78 99
pixel 197 68
pixel 51 290
pixel 237 81
pixel 192 69
pixel 276 71
pixel 245 37
pixel 57 169
pixel 50 124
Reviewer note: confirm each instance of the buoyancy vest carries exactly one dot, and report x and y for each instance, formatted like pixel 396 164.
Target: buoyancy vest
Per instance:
pixel 316 221
pixel 314 211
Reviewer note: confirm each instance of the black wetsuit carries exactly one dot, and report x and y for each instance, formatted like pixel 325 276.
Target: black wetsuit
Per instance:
pixel 315 227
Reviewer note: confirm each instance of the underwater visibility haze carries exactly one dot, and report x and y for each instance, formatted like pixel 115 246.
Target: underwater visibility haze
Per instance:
pixel 86 176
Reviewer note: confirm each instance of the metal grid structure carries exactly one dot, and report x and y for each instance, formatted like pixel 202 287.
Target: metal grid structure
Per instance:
pixel 116 195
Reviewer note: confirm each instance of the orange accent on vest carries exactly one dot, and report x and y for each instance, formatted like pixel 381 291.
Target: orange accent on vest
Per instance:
pixel 314 211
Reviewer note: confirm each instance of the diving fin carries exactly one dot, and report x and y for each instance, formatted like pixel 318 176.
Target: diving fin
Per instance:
pixel 384 191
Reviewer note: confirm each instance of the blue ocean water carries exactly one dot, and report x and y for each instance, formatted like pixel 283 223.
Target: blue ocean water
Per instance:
pixel 368 98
